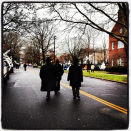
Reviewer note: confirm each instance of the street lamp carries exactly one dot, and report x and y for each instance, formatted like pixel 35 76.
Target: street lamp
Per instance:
pixel 54 48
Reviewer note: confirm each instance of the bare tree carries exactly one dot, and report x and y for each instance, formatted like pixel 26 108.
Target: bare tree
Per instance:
pixel 74 46
pixel 14 43
pixel 87 14
pixel 32 52
pixel 104 47
pixel 42 31
pixel 15 15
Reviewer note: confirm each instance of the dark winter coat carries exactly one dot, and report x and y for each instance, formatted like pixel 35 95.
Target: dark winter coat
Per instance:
pixel 47 75
pixel 58 70
pixel 75 76
pixel 88 66
pixel 25 65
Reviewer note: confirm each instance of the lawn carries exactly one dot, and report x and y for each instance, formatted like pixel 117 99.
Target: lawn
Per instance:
pixel 104 75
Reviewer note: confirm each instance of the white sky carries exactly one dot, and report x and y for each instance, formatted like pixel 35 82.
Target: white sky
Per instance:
pixel 61 36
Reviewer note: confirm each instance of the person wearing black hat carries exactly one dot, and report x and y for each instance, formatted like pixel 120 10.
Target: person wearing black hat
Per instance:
pixel 48 77
pixel 59 73
pixel 25 66
pixel 75 76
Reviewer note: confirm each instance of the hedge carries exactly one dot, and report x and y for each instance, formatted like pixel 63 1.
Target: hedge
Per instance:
pixel 116 69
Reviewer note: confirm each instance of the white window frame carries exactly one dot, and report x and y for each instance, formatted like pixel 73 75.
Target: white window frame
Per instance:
pixel 120 61
pixel 120 45
pixel 121 30
pixel 113 45
pixel 112 62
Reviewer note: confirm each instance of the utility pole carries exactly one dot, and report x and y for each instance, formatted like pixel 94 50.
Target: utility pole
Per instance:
pixel 54 48
pixel 94 51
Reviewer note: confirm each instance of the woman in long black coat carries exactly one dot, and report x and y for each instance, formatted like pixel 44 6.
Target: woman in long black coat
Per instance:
pixel 47 75
pixel 24 66
pixel 59 73
pixel 75 76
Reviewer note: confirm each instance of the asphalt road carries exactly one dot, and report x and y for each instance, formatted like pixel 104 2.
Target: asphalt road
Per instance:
pixel 103 104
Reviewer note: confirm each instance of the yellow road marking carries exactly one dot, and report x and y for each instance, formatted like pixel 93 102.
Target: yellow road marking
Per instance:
pixel 100 100
pixel 94 97
pixel 33 71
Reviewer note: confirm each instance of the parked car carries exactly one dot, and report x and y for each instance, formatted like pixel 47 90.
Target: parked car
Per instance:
pixel 5 71
pixel 8 62
pixel 8 68
pixel 65 67
pixel 35 65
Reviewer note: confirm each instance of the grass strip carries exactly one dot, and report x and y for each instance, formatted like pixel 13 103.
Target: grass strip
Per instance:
pixel 104 75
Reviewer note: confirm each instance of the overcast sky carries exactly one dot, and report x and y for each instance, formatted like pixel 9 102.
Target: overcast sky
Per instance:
pixel 62 35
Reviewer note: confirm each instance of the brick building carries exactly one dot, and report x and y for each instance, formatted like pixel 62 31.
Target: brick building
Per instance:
pixel 117 54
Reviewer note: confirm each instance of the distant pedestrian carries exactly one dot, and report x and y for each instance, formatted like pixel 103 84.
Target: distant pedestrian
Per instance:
pixel 92 68
pixel 88 67
pixel 59 73
pixel 75 76
pixel 12 69
pixel 48 77
pixel 16 66
pixel 25 66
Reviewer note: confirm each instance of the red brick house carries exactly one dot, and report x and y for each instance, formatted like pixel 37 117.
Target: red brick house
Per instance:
pixel 117 54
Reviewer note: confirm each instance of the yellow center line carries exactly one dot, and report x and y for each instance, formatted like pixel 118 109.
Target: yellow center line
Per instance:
pixel 121 109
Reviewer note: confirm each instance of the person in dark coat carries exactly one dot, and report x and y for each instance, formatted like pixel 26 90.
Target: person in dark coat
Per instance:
pixel 59 73
pixel 48 77
pixel 88 67
pixel 25 66
pixel 75 76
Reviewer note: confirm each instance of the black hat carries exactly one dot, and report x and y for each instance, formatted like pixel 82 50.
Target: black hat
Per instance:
pixel 76 60
pixel 57 61
pixel 48 59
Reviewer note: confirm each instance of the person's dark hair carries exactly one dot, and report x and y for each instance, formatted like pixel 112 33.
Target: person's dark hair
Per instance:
pixel 57 61
pixel 48 60
pixel 76 61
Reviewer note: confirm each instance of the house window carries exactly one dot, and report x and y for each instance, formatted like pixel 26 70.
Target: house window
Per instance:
pixel 120 45
pixel 120 30
pixel 112 62
pixel 120 62
pixel 112 45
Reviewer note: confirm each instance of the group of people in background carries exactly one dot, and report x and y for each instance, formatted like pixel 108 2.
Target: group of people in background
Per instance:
pixel 90 67
pixel 17 65
pixel 51 76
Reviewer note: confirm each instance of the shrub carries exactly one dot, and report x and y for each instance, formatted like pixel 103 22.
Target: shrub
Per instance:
pixel 96 68
pixel 119 69
pixel 39 66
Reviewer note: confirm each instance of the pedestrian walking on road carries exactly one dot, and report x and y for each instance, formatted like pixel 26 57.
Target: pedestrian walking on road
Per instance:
pixel 88 67
pixel 75 76
pixel 92 68
pixel 59 73
pixel 25 66
pixel 48 77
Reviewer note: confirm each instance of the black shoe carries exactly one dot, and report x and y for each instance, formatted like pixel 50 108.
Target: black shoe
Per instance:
pixel 74 97
pixel 55 92
pixel 78 97
pixel 47 98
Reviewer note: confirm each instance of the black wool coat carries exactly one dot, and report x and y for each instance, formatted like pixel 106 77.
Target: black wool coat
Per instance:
pixel 58 70
pixel 75 76
pixel 48 77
